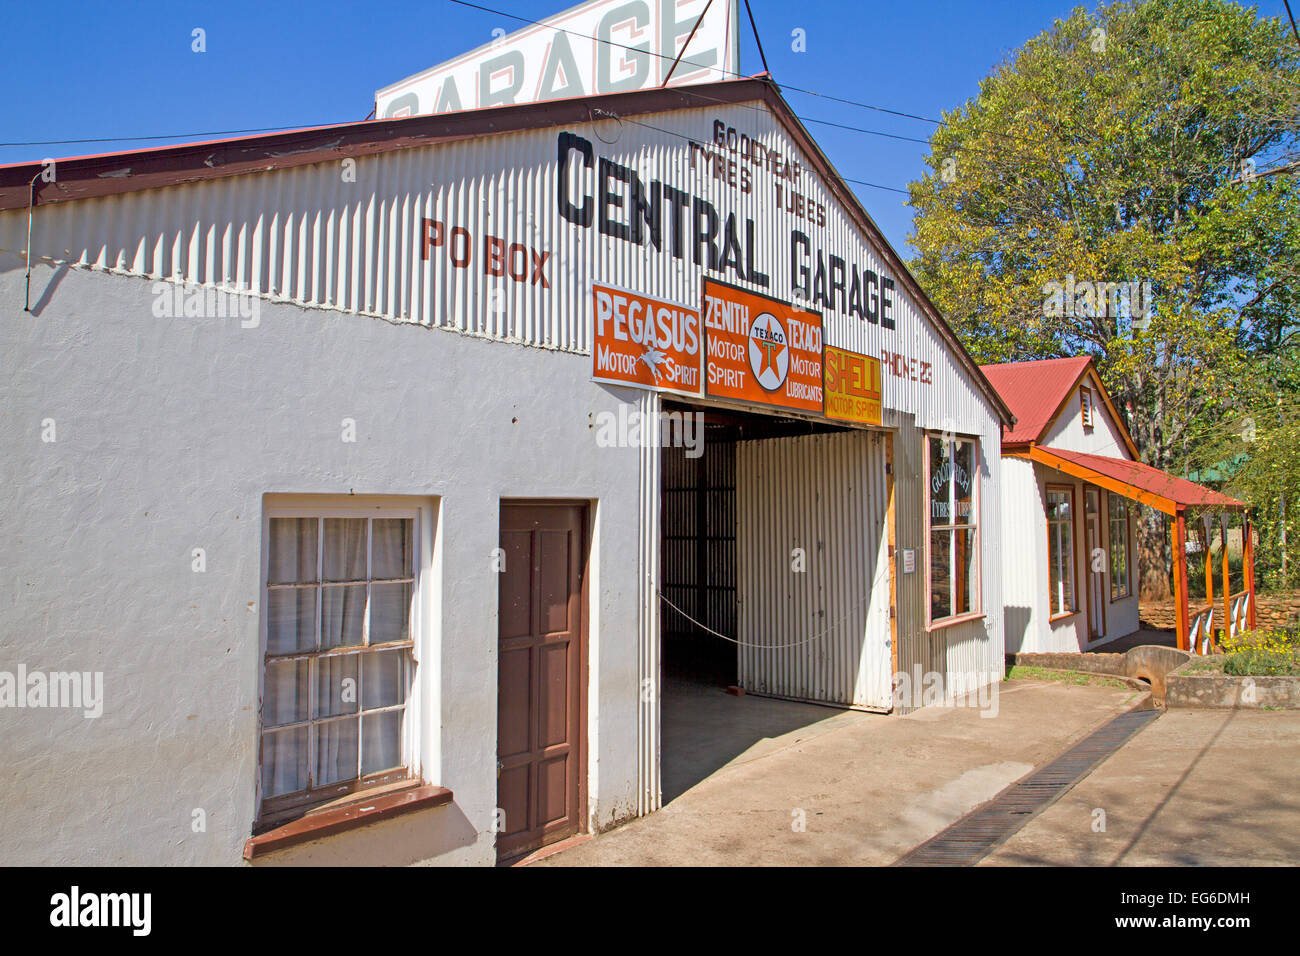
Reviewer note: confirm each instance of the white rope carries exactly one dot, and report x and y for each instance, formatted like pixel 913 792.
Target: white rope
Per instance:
pixel 769 647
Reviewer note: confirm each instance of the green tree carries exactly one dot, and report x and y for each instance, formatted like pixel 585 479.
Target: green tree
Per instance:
pixel 1152 143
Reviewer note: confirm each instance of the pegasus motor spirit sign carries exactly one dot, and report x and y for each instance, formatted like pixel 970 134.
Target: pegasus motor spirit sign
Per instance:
pixel 605 46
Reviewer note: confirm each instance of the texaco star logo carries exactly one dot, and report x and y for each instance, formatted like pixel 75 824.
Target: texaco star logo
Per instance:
pixel 769 358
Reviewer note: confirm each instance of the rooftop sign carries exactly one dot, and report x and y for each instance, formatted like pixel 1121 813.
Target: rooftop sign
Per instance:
pixel 604 46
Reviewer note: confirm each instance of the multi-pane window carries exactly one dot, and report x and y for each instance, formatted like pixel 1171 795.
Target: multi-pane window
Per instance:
pixel 1119 561
pixel 953 508
pixel 338 656
pixel 1060 549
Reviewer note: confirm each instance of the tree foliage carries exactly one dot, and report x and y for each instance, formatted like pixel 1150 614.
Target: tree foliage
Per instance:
pixel 1125 185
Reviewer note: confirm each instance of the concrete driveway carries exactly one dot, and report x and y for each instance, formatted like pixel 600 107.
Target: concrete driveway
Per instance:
pixel 1195 788
pixel 826 787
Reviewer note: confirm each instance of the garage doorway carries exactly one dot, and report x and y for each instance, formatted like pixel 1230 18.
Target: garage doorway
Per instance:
pixel 542 675
pixel 704 727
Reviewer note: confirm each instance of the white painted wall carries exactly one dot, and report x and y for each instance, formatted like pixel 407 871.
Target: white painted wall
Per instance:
pixel 1025 578
pixel 1023 557
pixel 169 433
pixel 1067 431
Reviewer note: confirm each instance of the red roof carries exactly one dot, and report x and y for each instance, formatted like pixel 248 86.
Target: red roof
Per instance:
pixel 1180 491
pixel 1034 392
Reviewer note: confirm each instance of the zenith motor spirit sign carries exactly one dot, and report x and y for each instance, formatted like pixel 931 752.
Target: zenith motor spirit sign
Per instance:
pixel 604 46
pixel 760 350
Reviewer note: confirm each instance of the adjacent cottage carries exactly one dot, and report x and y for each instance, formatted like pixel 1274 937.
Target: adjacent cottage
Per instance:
pixel 1071 480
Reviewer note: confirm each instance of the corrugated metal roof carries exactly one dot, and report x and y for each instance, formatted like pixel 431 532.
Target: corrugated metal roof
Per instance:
pixel 1180 491
pixel 1034 392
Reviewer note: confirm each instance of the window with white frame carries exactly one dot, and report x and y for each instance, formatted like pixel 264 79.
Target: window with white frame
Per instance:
pixel 952 509
pixel 1117 515
pixel 338 663
pixel 1060 549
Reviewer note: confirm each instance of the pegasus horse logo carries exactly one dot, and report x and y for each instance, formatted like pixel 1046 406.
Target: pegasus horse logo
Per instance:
pixel 653 358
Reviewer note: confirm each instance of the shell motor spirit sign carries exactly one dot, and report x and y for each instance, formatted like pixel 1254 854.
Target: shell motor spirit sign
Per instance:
pixel 761 350
pixel 852 386
pixel 604 46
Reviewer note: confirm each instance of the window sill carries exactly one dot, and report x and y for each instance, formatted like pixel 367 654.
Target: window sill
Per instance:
pixel 950 621
pixel 357 813
pixel 1063 617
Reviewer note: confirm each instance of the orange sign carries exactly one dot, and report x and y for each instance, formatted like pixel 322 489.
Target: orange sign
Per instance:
pixel 761 350
pixel 852 386
pixel 644 342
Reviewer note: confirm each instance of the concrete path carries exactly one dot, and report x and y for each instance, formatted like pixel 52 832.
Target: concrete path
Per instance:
pixel 867 788
pixel 1195 788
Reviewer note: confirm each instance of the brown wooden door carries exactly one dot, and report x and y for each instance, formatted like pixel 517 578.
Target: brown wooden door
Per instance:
pixel 541 682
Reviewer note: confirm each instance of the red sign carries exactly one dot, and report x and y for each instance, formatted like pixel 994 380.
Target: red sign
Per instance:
pixel 644 342
pixel 761 350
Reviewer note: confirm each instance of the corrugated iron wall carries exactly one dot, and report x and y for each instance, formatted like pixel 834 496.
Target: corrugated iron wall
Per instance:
pixel 649 684
pixel 916 646
pixel 969 649
pixel 824 631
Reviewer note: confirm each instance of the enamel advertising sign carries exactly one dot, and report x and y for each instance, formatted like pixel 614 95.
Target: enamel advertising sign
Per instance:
pixel 761 350
pixel 644 342
pixel 852 386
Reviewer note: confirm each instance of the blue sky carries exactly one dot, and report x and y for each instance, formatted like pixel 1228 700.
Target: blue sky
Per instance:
pixel 108 71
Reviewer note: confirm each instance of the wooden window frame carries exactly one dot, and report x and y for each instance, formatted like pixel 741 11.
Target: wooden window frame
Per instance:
pixel 1128 548
pixel 1052 616
pixel 272 812
pixel 1087 408
pixel 932 624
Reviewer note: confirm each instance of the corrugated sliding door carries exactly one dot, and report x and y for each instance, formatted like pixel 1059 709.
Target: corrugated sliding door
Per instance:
pixel 813 568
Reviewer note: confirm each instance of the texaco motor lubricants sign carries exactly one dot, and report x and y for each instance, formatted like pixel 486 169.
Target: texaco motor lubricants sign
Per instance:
pixel 761 350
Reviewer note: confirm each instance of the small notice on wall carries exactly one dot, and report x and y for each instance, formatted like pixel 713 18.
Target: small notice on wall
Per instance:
pixel 852 386
pixel 762 350
pixel 641 341
pixel 909 560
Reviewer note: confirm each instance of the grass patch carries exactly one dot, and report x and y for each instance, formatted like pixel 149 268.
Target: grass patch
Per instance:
pixel 1074 678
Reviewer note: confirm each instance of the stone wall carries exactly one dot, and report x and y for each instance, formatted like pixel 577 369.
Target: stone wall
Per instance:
pixel 1271 610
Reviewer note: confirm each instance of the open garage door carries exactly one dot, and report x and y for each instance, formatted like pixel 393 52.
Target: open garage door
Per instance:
pixel 813 568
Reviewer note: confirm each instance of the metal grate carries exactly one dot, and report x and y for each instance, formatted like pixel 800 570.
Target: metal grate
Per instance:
pixel 972 837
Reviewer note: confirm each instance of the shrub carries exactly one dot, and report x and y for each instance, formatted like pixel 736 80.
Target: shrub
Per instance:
pixel 1263 653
